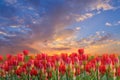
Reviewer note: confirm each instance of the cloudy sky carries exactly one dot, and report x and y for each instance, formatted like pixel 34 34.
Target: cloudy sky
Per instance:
pixel 57 26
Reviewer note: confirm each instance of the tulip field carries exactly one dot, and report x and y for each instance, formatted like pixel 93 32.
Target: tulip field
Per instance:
pixel 75 66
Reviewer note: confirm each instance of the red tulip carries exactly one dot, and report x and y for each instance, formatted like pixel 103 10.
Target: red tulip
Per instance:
pixel 76 59
pixel 13 62
pixel 6 67
pixel 20 57
pixel 97 59
pixel 40 66
pixel 9 56
pixel 84 57
pixel 25 52
pixel 36 63
pixel 48 65
pixel 68 60
pixel 44 56
pixel 89 67
pixel 24 66
pixel 62 69
pixel 39 57
pixel 73 55
pixel 102 69
pixel 19 71
pixel 64 56
pixel 108 60
pixel 81 51
pixel 30 62
pixel 114 59
pixel 56 57
pixel 33 72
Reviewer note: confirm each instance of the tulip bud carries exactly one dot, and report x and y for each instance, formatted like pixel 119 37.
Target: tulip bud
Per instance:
pixel 25 52
pixel 81 51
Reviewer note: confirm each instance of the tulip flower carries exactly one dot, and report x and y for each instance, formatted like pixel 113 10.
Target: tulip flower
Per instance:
pixel 8 56
pixel 25 52
pixel 102 69
pixel 33 72
pixel 19 71
pixel 81 51
pixel 62 69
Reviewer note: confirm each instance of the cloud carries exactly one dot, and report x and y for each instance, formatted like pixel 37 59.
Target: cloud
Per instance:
pixel 99 37
pixel 104 6
pixel 80 18
pixel 112 24
pixel 101 42
pixel 30 24
pixel 110 47
pixel 64 34
pixel 59 49
pixel 11 1
pixel 78 28
pixel 108 24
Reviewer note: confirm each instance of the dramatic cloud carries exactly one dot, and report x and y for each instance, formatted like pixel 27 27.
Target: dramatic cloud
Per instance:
pixel 34 25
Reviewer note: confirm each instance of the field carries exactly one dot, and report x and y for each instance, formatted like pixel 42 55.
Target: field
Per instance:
pixel 76 66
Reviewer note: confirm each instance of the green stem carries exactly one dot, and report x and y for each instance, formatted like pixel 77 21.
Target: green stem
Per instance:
pixel 107 75
pixel 39 75
pixel 67 78
pixel 97 74
pixel 28 76
pixel 57 74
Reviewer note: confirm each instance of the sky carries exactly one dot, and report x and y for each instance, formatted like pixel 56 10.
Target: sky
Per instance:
pixel 60 26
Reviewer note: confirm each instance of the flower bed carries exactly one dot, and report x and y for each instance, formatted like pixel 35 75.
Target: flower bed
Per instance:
pixel 76 66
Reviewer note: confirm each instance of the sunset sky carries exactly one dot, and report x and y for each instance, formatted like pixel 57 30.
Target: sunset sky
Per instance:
pixel 57 26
